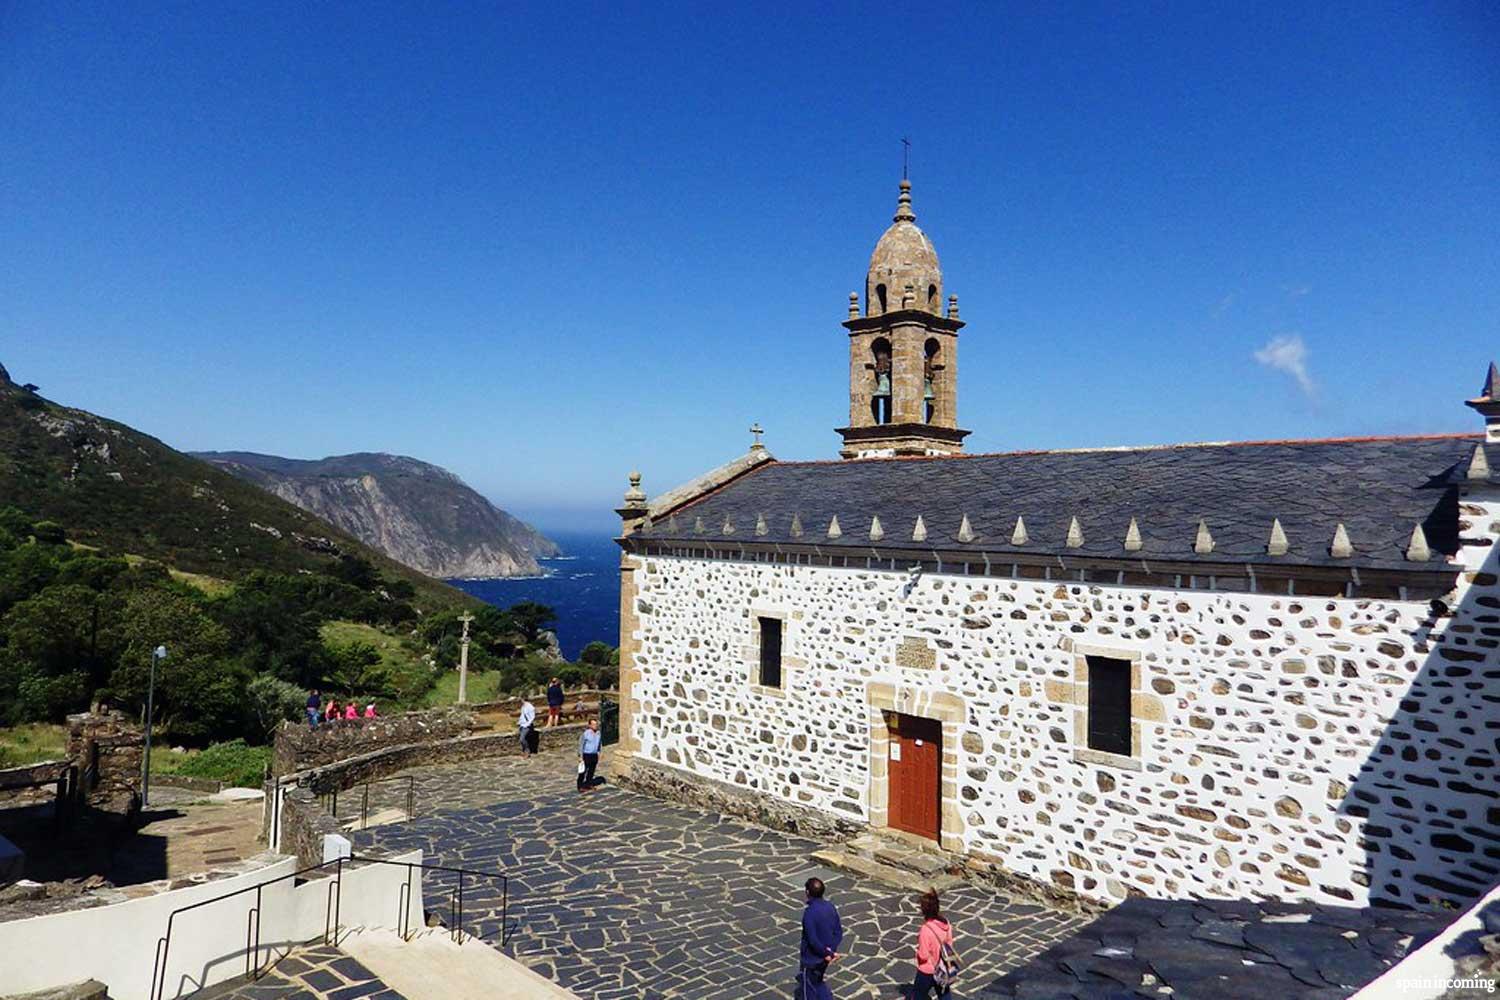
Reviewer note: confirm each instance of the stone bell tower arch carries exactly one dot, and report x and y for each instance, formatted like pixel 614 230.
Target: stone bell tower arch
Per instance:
pixel 903 350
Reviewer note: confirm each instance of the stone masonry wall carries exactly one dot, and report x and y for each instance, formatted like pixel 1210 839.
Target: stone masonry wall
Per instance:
pixel 298 746
pixel 117 746
pixel 304 821
pixel 1327 749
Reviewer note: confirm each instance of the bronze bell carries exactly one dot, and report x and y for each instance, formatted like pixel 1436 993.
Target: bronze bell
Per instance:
pixel 883 383
pixel 927 392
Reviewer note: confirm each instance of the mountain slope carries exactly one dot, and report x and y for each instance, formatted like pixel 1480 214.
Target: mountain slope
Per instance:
pixel 416 513
pixel 116 488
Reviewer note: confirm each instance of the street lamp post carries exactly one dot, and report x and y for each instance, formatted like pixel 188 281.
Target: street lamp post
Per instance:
pixel 463 660
pixel 157 654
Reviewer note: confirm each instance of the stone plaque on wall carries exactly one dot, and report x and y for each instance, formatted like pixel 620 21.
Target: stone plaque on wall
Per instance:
pixel 914 652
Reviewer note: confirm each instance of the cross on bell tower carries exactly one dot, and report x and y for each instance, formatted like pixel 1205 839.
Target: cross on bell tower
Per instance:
pixel 903 349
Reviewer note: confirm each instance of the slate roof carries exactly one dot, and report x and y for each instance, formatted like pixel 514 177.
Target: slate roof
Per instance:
pixel 1378 488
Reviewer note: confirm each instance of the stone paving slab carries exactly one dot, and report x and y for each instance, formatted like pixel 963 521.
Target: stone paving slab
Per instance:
pixel 316 972
pixel 616 894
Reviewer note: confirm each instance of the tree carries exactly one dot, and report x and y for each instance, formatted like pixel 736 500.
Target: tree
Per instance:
pixel 48 533
pixel 355 668
pixel 532 619
pixel 199 688
pixel 270 702
pixel 59 645
pixel 599 654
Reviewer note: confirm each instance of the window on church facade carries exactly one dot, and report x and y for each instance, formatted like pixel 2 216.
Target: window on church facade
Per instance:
pixel 770 652
pixel 1109 705
pixel 880 296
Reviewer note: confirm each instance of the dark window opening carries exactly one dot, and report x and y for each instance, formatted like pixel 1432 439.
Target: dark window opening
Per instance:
pixel 929 378
pixel 770 652
pixel 880 295
pixel 932 299
pixel 880 396
pixel 1109 705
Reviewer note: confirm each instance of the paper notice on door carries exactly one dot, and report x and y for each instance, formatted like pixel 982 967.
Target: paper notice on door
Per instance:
pixel 895 751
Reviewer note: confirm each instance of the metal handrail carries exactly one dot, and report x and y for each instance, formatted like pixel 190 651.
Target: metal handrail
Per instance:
pixel 331 799
pixel 455 896
pixel 331 911
pixel 252 923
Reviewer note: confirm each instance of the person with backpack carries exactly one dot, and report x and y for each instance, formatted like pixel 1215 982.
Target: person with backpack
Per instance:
pixel 937 960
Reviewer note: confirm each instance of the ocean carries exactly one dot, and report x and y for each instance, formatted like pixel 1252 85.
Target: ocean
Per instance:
pixel 582 586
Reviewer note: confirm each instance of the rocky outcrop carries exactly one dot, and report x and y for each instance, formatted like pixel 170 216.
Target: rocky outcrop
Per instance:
pixel 418 514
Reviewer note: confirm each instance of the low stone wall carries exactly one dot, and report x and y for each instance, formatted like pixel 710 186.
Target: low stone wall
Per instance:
pixel 304 821
pixel 675 785
pixel 299 747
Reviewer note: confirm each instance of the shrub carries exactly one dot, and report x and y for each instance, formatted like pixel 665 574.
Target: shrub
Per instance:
pixel 234 763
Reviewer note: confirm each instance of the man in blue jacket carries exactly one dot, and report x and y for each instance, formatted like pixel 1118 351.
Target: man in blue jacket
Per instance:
pixel 821 936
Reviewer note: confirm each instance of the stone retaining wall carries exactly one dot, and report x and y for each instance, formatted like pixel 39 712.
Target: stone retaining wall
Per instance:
pixel 670 783
pixel 299 747
pixel 304 821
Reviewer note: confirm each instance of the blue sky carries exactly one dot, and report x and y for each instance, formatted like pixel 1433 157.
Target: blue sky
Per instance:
pixel 540 245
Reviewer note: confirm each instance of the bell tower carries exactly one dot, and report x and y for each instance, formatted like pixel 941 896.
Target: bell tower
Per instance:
pixel 903 350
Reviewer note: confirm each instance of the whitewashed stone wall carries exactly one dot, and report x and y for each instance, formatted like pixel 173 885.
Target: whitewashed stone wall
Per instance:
pixel 1313 748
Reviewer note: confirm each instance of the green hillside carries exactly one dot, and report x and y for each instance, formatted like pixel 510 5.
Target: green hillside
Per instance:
pixel 127 493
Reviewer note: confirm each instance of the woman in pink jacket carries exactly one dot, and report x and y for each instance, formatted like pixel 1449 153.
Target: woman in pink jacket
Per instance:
pixel 933 934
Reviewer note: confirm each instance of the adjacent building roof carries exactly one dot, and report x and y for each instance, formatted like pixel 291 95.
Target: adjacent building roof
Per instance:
pixel 1378 489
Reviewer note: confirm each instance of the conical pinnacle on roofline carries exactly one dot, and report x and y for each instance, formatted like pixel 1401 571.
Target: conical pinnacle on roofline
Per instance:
pixel 1417 549
pixel 1479 466
pixel 796 529
pixel 1203 542
pixel 728 527
pixel 1340 548
pixel 834 531
pixel 698 526
pixel 876 531
pixel 1491 383
pixel 761 528
pixel 1276 545
pixel 965 532
pixel 646 523
pixel 919 531
pixel 1075 534
pixel 1018 536
pixel 1133 537
pixel 672 523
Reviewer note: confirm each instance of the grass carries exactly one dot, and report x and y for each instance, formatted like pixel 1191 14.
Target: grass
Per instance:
pixel 32 742
pixel 233 763
pixel 484 685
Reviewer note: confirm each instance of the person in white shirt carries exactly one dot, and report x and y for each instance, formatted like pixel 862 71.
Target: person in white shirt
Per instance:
pixel 526 720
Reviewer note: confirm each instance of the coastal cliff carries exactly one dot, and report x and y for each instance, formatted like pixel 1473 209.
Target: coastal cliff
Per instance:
pixel 417 513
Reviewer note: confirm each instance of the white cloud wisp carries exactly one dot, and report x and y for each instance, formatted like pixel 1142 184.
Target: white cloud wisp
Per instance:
pixel 1287 353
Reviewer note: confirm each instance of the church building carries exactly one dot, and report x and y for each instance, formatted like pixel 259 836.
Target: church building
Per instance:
pixel 1262 669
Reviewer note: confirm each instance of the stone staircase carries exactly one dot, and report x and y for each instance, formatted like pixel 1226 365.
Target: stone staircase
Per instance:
pixel 908 863
pixel 432 966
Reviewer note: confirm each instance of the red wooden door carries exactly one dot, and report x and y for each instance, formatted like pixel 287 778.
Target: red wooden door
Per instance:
pixel 915 769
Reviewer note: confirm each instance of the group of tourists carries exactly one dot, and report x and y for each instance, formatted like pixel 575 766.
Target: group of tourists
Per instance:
pixel 320 712
pixel 589 743
pixel 936 957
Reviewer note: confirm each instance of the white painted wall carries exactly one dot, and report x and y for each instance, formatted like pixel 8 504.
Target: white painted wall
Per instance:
pixel 1320 748
pixel 117 944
